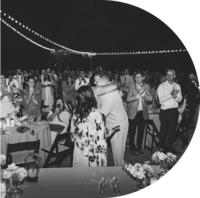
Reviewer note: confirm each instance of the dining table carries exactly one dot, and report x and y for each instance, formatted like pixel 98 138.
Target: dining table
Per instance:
pixel 39 131
pixel 79 182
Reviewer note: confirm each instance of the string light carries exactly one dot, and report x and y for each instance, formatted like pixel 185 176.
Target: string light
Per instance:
pixel 67 50
pixel 52 50
pixel 41 36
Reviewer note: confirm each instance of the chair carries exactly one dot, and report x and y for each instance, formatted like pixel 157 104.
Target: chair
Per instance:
pixel 70 106
pixel 18 159
pixel 183 128
pixel 58 151
pixel 57 128
pixel 151 130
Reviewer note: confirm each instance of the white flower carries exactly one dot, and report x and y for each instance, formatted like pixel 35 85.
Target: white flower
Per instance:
pixel 162 156
pixel 133 172
pixel 2 159
pixel 22 172
pixel 158 156
pixel 138 167
pixel 148 168
pixel 155 157
pixel 7 174
pixel 12 167
pixel 140 175
pixel 171 157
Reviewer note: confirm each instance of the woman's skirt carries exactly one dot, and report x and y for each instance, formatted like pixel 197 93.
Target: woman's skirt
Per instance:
pixel 79 160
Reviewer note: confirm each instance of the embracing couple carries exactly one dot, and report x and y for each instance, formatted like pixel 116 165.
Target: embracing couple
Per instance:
pixel 88 126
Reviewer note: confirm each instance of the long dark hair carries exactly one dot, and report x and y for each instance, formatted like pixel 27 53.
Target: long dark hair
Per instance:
pixel 47 77
pixel 67 80
pixel 54 105
pixel 85 102
pixel 118 78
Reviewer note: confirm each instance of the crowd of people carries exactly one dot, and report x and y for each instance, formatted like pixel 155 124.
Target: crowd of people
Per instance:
pixel 100 106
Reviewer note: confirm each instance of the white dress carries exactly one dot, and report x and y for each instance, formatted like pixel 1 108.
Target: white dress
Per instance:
pixel 47 96
pixel 6 107
pixel 65 118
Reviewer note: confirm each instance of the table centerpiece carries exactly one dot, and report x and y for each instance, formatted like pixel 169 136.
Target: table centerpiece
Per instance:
pixel 14 177
pixel 164 160
pixel 142 174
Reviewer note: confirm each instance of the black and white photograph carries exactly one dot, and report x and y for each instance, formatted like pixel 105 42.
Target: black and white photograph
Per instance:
pixel 98 99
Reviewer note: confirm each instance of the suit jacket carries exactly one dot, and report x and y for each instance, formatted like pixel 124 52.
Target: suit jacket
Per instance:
pixel 113 109
pixel 133 101
pixel 192 92
pixel 128 80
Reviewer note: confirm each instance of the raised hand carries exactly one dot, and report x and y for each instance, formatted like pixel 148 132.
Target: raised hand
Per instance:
pixel 141 91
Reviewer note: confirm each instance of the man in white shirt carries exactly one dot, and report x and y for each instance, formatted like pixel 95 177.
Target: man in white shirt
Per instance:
pixel 81 80
pixel 169 95
pixel 15 84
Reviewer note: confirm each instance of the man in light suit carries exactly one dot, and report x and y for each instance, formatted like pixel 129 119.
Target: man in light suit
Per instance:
pixel 137 109
pixel 113 109
pixel 126 80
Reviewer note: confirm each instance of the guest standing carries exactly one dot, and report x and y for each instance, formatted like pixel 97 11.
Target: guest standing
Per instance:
pixel 47 93
pixel 31 99
pixel 88 131
pixel 5 99
pixel 169 94
pixel 81 80
pixel 117 80
pixel 69 90
pixel 126 80
pixel 137 109
pixel 193 97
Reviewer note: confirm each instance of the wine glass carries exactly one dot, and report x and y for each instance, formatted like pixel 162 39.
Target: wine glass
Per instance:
pixel 31 118
pixel 39 119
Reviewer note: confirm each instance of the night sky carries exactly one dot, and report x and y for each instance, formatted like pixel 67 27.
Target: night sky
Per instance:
pixel 88 25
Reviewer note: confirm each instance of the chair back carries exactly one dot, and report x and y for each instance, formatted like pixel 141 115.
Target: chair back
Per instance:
pixel 21 146
pixel 70 106
pixel 57 150
pixel 57 128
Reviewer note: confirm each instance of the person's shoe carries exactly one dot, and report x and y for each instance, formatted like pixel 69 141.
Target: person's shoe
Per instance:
pixel 173 151
pixel 133 153
pixel 140 152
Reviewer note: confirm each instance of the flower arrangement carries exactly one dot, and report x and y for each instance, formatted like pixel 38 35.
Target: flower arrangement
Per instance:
pixel 165 160
pixel 14 173
pixel 142 173
pixel 2 160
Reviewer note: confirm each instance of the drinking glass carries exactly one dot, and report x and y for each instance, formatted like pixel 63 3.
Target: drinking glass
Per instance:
pixel 39 119
pixel 31 118
pixel 115 185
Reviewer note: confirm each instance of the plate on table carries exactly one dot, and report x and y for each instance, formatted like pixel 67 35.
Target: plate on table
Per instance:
pixel 2 131
pixel 23 129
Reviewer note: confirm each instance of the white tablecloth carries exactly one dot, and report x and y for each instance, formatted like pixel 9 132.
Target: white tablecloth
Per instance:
pixel 41 132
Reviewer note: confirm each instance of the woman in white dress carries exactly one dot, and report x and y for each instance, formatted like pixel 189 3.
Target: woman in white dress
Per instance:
pixel 58 116
pixel 47 93
pixel 5 99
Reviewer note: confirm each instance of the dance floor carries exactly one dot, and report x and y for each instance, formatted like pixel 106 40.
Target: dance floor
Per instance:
pixel 139 159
